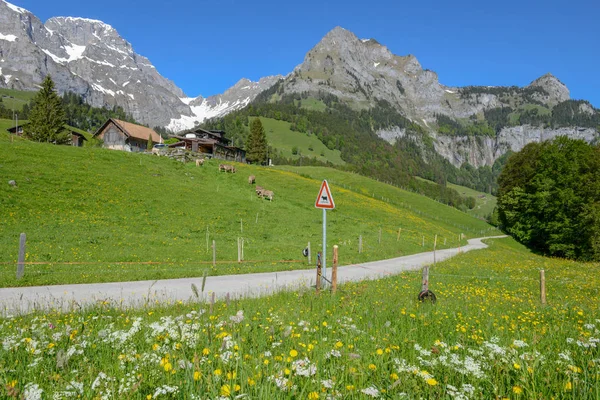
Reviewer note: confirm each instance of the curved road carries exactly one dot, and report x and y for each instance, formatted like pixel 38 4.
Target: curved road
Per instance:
pixel 139 293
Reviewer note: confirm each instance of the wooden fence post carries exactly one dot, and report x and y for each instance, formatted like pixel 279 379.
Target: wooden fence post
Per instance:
pixel 423 243
pixel 241 226
pixel 543 286
pixel 214 247
pixel 239 243
pixel 318 286
pixel 360 244
pixel 212 302
pixel 21 264
pixel 309 255
pixel 425 279
pixel 334 270
pixel 399 231
pixel 379 235
pixel 242 249
pixel 434 246
pixel 207 238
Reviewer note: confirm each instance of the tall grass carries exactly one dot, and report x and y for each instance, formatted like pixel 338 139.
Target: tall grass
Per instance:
pixel 487 337
pixel 95 215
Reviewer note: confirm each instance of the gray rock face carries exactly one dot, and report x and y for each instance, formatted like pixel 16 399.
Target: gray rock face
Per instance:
pixel 557 91
pixel 363 71
pixel 90 58
pixel 480 151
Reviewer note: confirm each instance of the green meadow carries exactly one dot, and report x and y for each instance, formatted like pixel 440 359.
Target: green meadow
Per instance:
pixel 95 215
pixel 487 337
pixel 282 138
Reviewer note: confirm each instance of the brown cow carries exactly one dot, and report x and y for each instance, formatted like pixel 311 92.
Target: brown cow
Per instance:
pixel 222 167
pixel 251 179
pixel 268 194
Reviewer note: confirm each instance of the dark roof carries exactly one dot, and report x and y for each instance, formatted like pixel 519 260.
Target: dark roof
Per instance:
pixel 13 129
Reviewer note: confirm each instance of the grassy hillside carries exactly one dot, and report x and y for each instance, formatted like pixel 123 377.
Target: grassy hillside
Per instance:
pixel 398 198
pixel 109 213
pixel 15 99
pixel 285 140
pixel 487 337
pixel 484 202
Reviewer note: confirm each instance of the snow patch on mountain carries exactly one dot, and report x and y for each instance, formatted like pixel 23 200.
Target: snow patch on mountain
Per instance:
pixel 10 38
pixel 15 8
pixel 75 52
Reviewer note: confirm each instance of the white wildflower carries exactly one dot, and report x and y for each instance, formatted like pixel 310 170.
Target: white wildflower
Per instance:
pixel 32 392
pixel 304 367
pixel 327 383
pixel 238 317
pixel 371 391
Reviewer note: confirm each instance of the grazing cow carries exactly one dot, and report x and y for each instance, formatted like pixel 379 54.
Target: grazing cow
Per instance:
pixel 251 179
pixel 259 190
pixel 199 162
pixel 230 168
pixel 268 194
pixel 222 167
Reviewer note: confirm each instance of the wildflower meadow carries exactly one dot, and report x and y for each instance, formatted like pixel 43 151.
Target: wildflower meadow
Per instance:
pixel 486 337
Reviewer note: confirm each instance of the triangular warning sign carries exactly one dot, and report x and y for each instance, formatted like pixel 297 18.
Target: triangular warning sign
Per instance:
pixel 324 199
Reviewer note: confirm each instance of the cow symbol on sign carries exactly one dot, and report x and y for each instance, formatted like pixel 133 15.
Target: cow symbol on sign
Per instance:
pixel 324 199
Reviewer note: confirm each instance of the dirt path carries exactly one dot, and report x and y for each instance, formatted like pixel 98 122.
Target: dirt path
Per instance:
pixel 139 293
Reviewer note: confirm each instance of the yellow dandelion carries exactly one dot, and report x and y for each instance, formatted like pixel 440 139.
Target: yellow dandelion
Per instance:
pixel 293 353
pixel 168 367
pixel 568 386
pixel 339 345
pixel 225 390
pixel 149 397
pixel 237 388
pixel 349 387
pixel 205 351
pixel 517 389
pixel 379 352
pixel 313 396
pixel 517 366
pixel 325 323
pixel 394 376
pixel 251 382
pixel 197 375
pixel 266 362
pixel 372 367
pixel 431 382
pixel 155 346
pixel 217 372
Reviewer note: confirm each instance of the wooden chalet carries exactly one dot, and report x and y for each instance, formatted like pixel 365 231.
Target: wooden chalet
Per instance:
pixel 211 143
pixel 77 138
pixel 125 136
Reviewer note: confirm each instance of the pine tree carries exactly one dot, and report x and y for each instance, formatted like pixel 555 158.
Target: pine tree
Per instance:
pixel 256 148
pixel 149 143
pixel 47 117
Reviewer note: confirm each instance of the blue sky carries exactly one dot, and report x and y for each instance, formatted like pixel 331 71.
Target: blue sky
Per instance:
pixel 207 46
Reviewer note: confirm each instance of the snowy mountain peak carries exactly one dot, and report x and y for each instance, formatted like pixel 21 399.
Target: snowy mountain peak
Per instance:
pixel 17 9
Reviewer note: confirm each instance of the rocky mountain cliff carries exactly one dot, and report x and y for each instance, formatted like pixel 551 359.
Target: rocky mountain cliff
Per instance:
pixel 362 72
pixel 90 58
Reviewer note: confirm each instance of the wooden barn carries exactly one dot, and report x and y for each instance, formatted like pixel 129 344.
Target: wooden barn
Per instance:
pixel 210 143
pixel 77 138
pixel 125 136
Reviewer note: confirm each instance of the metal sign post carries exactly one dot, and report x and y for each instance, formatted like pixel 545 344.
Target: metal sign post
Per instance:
pixel 325 202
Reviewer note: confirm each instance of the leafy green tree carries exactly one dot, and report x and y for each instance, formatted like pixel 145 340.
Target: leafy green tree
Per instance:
pixel 549 198
pixel 256 147
pixel 149 144
pixel 47 118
